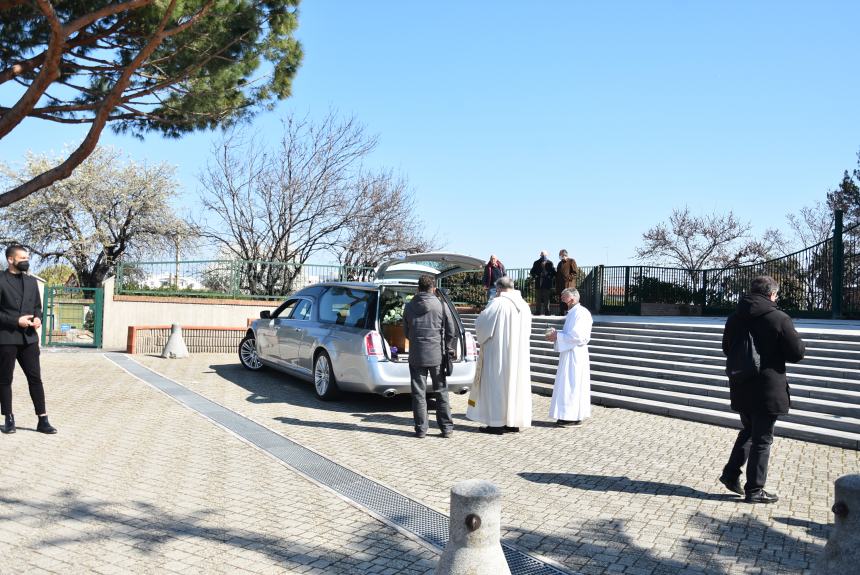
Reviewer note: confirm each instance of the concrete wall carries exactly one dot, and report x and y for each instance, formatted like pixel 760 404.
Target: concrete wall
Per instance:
pixel 123 311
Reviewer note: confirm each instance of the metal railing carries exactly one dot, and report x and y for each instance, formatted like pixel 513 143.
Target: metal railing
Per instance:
pixel 818 281
pixel 228 278
pixel 468 287
pixel 809 281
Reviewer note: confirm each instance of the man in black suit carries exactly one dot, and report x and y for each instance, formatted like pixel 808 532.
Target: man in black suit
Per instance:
pixel 20 317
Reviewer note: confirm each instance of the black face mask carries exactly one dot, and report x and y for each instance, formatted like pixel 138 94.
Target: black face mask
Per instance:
pixel 22 266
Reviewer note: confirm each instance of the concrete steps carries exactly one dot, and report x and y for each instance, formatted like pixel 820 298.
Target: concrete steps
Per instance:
pixel 678 370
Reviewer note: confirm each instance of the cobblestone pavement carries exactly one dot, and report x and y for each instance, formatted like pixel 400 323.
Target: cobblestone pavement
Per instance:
pixel 628 492
pixel 136 483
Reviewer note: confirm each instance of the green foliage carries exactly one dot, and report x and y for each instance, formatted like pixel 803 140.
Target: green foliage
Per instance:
pixel 203 74
pixel 465 288
pixel 57 274
pixel 846 196
pixel 654 290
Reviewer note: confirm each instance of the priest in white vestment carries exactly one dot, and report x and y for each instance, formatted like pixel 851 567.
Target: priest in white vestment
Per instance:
pixel 501 396
pixel 571 393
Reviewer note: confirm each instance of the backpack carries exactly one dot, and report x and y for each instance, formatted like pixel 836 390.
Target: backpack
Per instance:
pixel 743 361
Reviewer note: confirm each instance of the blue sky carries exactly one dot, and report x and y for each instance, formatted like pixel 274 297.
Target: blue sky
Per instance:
pixel 548 125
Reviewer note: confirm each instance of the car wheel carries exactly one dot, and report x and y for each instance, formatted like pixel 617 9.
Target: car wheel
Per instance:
pixel 248 354
pixel 324 383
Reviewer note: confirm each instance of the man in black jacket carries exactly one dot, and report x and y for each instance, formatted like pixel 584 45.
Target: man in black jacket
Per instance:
pixel 762 398
pixel 20 317
pixel 427 327
pixel 543 272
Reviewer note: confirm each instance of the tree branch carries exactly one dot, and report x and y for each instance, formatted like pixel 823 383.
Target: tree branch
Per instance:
pixel 49 73
pixel 89 143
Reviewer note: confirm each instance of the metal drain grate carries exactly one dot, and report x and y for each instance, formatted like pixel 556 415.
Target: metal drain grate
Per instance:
pixel 396 508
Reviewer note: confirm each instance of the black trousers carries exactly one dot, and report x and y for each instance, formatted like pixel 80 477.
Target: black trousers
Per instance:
pixel 418 374
pixel 542 307
pixel 28 358
pixel 562 307
pixel 753 448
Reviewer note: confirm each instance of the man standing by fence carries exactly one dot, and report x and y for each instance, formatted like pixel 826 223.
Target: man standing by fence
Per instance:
pixel 543 272
pixel 20 317
pixel 565 278
pixel 763 396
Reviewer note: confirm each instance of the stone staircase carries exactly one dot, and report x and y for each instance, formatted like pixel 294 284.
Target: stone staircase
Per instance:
pixel 677 370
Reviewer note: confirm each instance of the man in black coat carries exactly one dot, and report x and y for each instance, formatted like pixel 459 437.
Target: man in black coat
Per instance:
pixel 543 272
pixel 764 397
pixel 428 327
pixel 20 317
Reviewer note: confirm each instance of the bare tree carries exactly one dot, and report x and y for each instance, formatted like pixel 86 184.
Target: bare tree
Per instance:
pixel 386 225
pixel 309 195
pixel 811 225
pixel 697 242
pixel 110 208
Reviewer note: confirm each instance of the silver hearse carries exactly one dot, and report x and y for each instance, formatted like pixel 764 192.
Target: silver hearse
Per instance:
pixel 348 336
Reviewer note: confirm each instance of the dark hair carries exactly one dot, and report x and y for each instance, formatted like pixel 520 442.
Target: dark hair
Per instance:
pixel 764 285
pixel 10 251
pixel 426 283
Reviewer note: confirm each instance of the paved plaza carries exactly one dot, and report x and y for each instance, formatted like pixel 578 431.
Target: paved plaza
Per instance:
pixel 135 482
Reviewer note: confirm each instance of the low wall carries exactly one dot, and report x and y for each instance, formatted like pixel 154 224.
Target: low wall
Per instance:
pixel 120 312
pixel 198 339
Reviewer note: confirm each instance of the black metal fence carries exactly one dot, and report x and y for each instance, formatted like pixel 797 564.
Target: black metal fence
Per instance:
pixel 818 281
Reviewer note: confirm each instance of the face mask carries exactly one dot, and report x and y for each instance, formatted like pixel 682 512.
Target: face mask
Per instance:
pixel 543 257
pixel 23 266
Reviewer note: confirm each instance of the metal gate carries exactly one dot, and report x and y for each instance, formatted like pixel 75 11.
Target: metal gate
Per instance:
pixel 72 316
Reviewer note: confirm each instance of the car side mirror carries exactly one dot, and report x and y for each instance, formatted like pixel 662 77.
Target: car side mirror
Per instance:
pixel 265 314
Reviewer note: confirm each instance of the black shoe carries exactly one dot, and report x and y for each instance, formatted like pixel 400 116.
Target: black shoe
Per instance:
pixel 44 427
pixel 567 423
pixel 9 425
pixel 761 496
pixel 492 430
pixel 733 486
pixel 447 434
pixel 509 429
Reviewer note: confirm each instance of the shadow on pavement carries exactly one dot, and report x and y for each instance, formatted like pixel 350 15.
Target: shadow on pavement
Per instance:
pixel 723 547
pixel 149 528
pixel 812 527
pixel 270 386
pixel 623 485
pixel 406 423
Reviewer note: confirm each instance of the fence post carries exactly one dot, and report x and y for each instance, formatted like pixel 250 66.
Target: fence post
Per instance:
pixel 597 292
pixel 234 277
pixel 119 274
pixel 838 269
pixel 704 290
pixel 626 289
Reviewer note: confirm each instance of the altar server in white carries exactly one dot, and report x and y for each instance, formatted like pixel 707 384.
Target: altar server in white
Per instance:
pixel 571 394
pixel 501 396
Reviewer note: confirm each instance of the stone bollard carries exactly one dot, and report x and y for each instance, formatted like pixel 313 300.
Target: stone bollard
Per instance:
pixel 175 347
pixel 842 552
pixel 475 528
